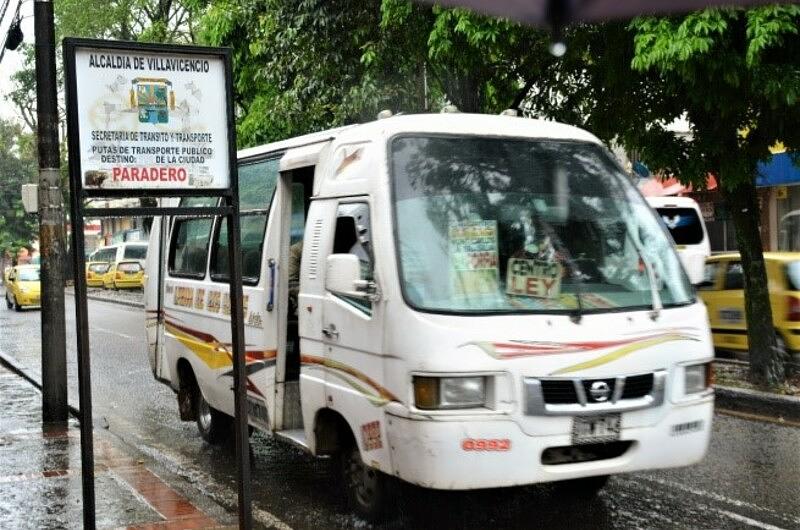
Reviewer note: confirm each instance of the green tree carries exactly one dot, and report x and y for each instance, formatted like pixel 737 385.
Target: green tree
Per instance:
pixel 306 65
pixel 297 63
pixel 736 74
pixel 170 21
pixel 17 167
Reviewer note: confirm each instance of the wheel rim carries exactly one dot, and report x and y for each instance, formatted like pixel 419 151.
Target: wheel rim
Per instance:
pixel 203 413
pixel 361 480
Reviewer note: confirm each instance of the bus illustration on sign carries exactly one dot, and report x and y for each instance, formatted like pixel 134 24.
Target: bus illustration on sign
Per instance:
pixel 154 98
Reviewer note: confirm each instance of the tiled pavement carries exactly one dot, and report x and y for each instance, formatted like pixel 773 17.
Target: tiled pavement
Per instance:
pixel 40 475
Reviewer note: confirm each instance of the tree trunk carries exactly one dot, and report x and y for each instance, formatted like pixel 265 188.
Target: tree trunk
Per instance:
pixel 766 361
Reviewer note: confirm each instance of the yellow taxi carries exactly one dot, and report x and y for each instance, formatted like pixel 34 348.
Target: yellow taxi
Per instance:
pixel 23 288
pixel 722 290
pixel 108 276
pixel 94 273
pixel 129 275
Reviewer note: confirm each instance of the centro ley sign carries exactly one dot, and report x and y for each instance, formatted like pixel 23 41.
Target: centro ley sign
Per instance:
pixel 151 120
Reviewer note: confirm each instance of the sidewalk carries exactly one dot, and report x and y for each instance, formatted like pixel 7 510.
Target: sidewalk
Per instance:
pixel 40 476
pixel 128 297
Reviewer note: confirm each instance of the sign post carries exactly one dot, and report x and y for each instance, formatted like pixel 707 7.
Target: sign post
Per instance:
pixel 155 121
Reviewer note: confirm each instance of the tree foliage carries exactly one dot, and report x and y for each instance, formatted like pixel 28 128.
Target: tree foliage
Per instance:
pixel 17 167
pixel 169 21
pixel 736 73
pixel 305 65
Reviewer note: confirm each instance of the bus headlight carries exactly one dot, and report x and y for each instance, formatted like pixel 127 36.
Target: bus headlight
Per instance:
pixel 697 378
pixel 449 392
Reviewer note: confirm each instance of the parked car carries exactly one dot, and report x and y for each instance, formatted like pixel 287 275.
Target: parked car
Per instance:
pixel 129 275
pixel 722 289
pixel 108 276
pixel 95 270
pixel 23 288
pixel 115 254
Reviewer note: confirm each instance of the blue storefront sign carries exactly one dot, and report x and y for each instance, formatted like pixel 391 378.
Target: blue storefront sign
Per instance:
pixel 778 171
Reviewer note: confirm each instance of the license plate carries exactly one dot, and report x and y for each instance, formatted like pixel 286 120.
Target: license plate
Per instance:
pixel 733 316
pixel 595 429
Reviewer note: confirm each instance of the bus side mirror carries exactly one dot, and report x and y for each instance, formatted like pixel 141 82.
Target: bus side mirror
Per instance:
pixel 343 277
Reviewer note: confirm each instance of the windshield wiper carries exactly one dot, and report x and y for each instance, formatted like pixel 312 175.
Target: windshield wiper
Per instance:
pixel 651 278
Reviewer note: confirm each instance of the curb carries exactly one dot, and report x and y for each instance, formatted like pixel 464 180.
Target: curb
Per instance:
pixel 757 402
pixel 13 365
pixel 109 300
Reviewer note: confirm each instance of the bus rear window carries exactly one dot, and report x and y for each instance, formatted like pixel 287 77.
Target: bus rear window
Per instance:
pixel 135 252
pixel 683 224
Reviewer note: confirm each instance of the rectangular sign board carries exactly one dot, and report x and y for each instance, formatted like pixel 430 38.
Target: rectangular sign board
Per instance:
pixel 150 117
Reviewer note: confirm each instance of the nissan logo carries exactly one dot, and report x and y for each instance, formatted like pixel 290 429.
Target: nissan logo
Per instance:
pixel 600 391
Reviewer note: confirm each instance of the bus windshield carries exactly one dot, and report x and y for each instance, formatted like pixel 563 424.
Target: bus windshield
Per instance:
pixel 492 225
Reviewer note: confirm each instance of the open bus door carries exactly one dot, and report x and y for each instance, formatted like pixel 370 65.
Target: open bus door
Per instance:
pixel 154 298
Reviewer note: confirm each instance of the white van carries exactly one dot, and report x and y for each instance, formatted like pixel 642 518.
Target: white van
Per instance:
pixel 683 219
pixel 483 301
pixel 120 252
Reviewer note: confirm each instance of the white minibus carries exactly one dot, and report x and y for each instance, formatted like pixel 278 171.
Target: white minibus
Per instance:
pixel 121 251
pixel 683 219
pixel 456 301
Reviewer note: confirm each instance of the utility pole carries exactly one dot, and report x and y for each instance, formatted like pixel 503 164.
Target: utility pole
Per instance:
pixel 51 220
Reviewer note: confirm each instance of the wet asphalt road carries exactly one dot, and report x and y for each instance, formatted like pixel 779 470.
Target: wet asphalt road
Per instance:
pixel 750 479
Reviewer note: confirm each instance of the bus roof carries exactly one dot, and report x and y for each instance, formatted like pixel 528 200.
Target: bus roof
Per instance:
pixel 449 123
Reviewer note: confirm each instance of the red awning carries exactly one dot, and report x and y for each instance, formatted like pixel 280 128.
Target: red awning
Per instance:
pixel 658 187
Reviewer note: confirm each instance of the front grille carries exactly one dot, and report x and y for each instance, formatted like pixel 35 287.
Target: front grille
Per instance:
pixel 590 396
pixel 637 386
pixel 558 391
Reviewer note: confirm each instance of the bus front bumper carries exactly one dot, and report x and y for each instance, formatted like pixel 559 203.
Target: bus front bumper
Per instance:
pixel 463 455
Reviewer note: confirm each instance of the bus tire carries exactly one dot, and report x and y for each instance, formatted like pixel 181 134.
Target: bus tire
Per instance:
pixel 582 488
pixel 367 489
pixel 214 426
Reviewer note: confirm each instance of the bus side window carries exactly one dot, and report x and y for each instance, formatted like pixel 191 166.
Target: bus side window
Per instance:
pixel 353 235
pixel 189 247
pixel 257 181
pixel 252 227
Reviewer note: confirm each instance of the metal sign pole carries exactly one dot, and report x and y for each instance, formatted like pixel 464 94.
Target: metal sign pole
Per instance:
pixel 237 318
pixel 239 371
pixel 84 367
pixel 81 311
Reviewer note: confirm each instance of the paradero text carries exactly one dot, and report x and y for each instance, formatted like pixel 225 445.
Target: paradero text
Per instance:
pixel 148 174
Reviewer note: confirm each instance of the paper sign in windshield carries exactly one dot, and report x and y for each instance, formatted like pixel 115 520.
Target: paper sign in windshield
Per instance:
pixel 473 257
pixel 531 277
